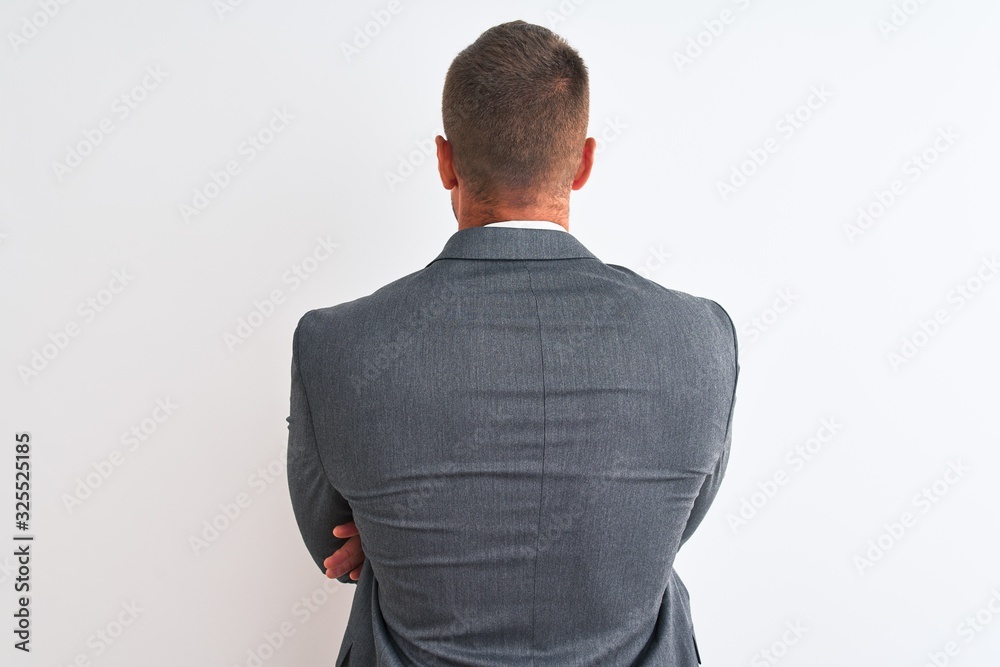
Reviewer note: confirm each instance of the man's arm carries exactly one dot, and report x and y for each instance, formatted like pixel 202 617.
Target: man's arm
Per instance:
pixel 317 505
pixel 710 487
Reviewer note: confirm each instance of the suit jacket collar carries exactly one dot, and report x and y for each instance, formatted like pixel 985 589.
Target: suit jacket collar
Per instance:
pixel 512 243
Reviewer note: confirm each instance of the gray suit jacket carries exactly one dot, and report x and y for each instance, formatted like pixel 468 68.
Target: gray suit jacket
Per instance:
pixel 524 436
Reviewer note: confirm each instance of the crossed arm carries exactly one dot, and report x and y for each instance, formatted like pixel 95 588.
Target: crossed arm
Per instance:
pixel 316 503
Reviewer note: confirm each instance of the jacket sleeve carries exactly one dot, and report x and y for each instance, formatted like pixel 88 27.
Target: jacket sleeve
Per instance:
pixel 318 507
pixel 710 487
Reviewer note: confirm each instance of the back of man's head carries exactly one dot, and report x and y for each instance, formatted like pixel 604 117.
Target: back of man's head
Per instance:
pixel 516 106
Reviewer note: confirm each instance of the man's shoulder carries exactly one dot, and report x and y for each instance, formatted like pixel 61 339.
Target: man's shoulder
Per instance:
pixel 327 316
pixel 677 299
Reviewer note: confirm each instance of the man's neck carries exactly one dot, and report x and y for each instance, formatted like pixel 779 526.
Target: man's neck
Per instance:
pixel 480 215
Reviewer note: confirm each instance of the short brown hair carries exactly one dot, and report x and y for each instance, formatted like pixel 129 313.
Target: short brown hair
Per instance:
pixel 516 105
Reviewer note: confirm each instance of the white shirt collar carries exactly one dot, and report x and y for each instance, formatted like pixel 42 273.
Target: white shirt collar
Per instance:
pixel 528 224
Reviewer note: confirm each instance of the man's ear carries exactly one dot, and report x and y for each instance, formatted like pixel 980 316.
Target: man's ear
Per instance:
pixel 446 167
pixel 586 163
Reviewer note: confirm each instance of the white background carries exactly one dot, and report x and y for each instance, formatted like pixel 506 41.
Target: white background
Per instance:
pixel 820 310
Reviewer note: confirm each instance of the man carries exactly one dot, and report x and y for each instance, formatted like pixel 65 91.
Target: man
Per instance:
pixel 520 435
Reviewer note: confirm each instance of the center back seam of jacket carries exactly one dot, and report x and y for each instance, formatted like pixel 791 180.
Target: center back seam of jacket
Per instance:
pixel 541 493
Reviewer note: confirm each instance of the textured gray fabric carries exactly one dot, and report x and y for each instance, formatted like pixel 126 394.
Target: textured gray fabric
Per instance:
pixel 524 436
